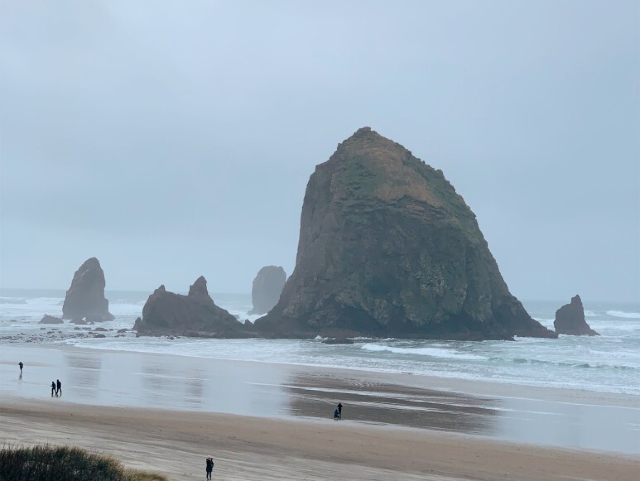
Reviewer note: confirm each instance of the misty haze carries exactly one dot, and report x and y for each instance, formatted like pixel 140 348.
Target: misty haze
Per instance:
pixel 277 233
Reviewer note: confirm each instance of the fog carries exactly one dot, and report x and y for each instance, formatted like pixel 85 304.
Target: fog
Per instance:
pixel 172 139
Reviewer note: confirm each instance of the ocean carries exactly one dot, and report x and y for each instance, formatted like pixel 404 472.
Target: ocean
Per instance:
pixel 609 363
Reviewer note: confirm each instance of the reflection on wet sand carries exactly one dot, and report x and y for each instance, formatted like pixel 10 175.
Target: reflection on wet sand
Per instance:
pixel 318 395
pixel 84 374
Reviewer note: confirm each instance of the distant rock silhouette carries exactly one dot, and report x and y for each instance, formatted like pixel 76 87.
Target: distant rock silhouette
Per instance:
pixel 388 248
pixel 47 319
pixel 85 298
pixel 570 319
pixel 194 315
pixel 267 287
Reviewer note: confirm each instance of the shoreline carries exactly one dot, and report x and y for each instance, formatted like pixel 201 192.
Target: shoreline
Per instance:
pixel 250 448
pixel 511 413
pixel 461 385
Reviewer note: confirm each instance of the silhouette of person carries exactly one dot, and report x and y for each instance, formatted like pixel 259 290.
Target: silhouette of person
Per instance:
pixel 21 366
pixel 209 467
pixel 53 389
pixel 340 409
pixel 58 387
pixel 336 415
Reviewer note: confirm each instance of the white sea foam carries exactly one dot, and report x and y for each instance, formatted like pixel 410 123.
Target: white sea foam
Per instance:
pixel 436 352
pixel 623 314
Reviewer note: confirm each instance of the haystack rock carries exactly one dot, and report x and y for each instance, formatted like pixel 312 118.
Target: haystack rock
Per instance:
pixel 388 248
pixel 194 315
pixel 47 319
pixel 570 319
pixel 267 287
pixel 85 298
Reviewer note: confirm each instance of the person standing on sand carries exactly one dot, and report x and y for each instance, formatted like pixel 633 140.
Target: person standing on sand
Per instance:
pixel 53 388
pixel 209 467
pixel 58 387
pixel 21 365
pixel 340 410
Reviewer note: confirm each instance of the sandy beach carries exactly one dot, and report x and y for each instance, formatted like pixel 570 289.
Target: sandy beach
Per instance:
pixel 247 448
pixel 265 421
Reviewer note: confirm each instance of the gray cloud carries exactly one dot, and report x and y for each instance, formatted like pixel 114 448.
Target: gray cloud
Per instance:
pixel 173 139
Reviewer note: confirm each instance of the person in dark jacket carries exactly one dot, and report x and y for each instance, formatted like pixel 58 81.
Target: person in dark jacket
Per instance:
pixel 53 388
pixel 209 467
pixel 58 387
pixel 340 409
pixel 21 366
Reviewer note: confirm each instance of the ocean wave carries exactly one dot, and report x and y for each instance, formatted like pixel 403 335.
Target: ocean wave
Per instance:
pixel 623 314
pixel 423 351
pixel 569 364
pixel 589 313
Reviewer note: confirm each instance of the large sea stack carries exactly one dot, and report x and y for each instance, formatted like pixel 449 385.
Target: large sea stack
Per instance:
pixel 387 248
pixel 193 315
pixel 85 298
pixel 267 287
pixel 570 319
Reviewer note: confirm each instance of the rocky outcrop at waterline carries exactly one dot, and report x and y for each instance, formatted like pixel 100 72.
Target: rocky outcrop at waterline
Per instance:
pixel 388 248
pixel 47 319
pixel 85 298
pixel 194 315
pixel 570 319
pixel 266 289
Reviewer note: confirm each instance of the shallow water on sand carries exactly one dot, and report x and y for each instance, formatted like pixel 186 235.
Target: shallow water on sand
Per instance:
pixel 112 378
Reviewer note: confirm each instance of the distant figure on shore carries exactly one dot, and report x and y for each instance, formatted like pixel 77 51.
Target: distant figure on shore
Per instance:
pixel 53 389
pixel 340 409
pixel 336 415
pixel 209 467
pixel 21 366
pixel 58 387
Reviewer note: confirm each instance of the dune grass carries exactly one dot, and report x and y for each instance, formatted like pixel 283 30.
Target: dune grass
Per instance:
pixel 46 463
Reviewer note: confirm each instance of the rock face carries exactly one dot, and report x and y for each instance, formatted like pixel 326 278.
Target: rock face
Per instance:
pixel 194 315
pixel 387 248
pixel 267 287
pixel 570 319
pixel 85 298
pixel 47 319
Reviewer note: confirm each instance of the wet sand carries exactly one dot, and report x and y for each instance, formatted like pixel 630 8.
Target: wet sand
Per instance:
pixel 246 448
pixel 272 421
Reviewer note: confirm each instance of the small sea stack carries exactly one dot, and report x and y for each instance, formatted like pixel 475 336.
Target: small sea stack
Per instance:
pixel 47 319
pixel 266 289
pixel 193 315
pixel 570 319
pixel 85 298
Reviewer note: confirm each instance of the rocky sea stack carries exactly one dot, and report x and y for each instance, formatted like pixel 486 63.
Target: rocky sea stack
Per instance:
pixel 387 248
pixel 85 298
pixel 570 319
pixel 194 315
pixel 267 287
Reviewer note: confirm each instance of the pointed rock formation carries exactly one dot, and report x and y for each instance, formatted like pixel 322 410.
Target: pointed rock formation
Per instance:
pixel 85 298
pixel 388 248
pixel 267 287
pixel 570 319
pixel 194 315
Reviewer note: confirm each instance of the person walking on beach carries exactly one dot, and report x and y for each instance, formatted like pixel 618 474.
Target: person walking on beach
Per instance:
pixel 53 389
pixel 21 366
pixel 58 387
pixel 209 467
pixel 340 410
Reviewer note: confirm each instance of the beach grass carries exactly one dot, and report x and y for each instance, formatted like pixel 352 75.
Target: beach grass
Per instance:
pixel 43 462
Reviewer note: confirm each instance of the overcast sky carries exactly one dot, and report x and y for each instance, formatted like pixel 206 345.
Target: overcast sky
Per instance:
pixel 172 139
